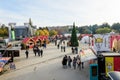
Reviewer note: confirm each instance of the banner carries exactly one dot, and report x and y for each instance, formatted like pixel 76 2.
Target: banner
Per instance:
pixel 13 35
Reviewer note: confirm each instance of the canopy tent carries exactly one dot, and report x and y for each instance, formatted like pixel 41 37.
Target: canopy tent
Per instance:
pixel 87 55
pixel 3 61
pixel 86 39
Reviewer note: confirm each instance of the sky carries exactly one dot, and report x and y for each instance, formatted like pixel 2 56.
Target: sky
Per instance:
pixel 59 12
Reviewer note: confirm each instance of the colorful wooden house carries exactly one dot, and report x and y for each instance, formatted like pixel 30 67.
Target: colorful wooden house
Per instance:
pixel 28 42
pixel 37 40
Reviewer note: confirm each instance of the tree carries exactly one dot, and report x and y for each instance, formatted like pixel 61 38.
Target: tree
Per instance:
pixel 53 32
pixel 46 32
pixel 4 31
pixel 103 30
pixel 104 25
pixel 74 40
pixel 116 27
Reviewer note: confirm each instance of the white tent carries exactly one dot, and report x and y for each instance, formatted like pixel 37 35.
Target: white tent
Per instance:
pixel 86 39
pixel 87 55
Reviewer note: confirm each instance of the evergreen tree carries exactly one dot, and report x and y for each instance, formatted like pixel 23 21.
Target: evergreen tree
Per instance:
pixel 74 40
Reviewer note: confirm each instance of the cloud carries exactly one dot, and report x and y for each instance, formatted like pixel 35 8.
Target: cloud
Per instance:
pixel 60 12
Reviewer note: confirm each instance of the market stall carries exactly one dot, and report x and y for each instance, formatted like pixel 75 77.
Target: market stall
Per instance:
pixel 87 55
pixel 3 61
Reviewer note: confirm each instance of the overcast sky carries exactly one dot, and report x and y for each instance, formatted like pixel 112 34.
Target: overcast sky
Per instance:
pixel 60 12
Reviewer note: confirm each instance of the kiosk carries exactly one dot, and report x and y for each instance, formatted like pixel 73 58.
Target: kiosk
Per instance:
pixel 93 71
pixel 107 62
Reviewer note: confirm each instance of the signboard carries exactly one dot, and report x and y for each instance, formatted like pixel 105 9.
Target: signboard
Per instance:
pixel 86 55
pixel 99 40
pixel 109 64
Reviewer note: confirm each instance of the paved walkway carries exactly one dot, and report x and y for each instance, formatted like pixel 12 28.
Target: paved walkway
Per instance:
pixel 50 53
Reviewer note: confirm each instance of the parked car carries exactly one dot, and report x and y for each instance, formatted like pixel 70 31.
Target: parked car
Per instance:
pixel 114 75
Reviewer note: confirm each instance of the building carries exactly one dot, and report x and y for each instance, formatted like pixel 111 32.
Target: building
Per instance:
pixel 23 31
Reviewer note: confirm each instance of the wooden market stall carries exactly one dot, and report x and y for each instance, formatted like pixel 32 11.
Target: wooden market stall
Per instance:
pixel 28 42
pixel 3 61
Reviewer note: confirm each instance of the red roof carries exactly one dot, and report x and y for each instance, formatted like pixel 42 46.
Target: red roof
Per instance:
pixel 35 38
pixel 25 40
pixel 86 35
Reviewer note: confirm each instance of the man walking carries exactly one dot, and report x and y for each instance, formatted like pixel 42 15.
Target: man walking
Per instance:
pixel 35 50
pixel 26 52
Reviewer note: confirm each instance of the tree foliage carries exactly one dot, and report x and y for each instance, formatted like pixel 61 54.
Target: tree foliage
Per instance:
pixel 103 30
pixel 4 31
pixel 94 29
pixel 53 32
pixel 116 27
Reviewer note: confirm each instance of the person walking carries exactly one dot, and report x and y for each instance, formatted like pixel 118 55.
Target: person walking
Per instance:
pixel 64 62
pixel 12 66
pixel 58 46
pixel 78 63
pixel 26 52
pixel 11 57
pixel 38 50
pixel 69 61
pixel 82 65
pixel 35 49
pixel 74 62
pixel 61 48
pixel 41 53
pixel 76 50
pixel 72 50
pixel 64 48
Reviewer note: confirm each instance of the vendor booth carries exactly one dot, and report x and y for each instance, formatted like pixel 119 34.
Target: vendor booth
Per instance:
pixel 3 61
pixel 90 56
pixel 108 62
pixel 15 52
pixel 87 55
pixel 28 42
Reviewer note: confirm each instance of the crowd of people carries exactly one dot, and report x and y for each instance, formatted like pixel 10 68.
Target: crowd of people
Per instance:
pixel 36 50
pixel 62 44
pixel 68 62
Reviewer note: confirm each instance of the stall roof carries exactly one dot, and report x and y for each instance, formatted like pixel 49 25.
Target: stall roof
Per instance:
pixel 87 55
pixel 13 48
pixel 110 54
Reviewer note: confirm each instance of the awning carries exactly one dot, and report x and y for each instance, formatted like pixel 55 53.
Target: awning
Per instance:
pixel 3 61
pixel 87 55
